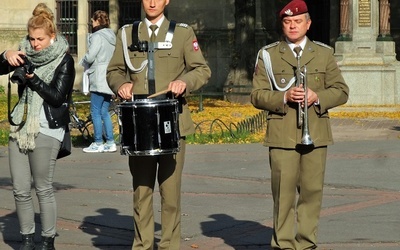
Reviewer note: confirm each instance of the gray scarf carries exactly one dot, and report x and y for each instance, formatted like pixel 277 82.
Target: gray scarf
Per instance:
pixel 46 62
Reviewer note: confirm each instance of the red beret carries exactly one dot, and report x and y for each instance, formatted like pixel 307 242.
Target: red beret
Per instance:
pixel 294 8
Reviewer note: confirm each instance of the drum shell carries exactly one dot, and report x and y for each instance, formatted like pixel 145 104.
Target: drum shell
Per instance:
pixel 149 127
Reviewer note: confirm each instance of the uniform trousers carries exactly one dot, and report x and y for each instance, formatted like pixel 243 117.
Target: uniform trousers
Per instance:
pixel 39 164
pixel 296 171
pixel 168 171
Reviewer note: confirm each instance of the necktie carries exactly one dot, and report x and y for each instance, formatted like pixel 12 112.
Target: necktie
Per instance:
pixel 297 50
pixel 153 28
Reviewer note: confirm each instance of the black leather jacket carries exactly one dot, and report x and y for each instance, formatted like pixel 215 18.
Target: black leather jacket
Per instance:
pixel 54 94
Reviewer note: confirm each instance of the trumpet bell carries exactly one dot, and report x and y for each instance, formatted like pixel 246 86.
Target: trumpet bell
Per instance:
pixel 306 140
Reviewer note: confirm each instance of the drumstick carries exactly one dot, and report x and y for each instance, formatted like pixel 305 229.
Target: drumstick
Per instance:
pixel 159 93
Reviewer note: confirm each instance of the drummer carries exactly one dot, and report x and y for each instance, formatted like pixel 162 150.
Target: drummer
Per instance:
pixel 179 67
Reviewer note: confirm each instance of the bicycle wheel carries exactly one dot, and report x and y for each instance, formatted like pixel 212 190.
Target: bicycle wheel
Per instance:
pixel 77 123
pixel 85 132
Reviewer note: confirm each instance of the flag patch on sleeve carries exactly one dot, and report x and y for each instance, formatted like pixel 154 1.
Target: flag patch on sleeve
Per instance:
pixel 196 46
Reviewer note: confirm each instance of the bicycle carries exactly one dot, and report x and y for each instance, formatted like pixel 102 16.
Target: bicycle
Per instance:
pixel 83 124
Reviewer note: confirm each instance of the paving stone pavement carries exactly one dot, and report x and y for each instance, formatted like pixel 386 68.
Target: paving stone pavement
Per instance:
pixel 226 197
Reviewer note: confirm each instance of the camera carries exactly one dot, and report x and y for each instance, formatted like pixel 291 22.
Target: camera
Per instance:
pixel 141 46
pixel 19 73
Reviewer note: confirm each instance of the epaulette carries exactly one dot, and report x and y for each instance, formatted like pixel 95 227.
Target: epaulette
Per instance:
pixel 323 44
pixel 126 26
pixel 183 25
pixel 271 45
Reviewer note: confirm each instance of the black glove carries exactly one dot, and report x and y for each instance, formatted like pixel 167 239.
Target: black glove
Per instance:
pixel 34 82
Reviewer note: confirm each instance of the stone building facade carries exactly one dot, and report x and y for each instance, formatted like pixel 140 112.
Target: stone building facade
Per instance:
pixel 212 20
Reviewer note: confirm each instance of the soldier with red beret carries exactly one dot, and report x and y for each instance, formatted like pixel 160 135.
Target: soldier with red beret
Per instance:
pixel 294 8
pixel 297 168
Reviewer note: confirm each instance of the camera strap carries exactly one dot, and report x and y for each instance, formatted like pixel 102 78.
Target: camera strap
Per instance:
pixel 22 123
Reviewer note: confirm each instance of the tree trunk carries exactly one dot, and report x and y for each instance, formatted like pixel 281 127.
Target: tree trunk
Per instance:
pixel 239 80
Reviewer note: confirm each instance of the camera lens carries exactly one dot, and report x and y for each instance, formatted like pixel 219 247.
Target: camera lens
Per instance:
pixel 18 76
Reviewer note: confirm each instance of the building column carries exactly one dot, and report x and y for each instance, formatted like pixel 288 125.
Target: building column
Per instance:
pixel 113 14
pixel 82 33
pixel 83 19
pixel 344 21
pixel 384 21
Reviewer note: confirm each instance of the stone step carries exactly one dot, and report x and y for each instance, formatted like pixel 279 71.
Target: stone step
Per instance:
pixel 378 109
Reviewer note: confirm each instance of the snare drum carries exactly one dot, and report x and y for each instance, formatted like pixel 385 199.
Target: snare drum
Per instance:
pixel 149 127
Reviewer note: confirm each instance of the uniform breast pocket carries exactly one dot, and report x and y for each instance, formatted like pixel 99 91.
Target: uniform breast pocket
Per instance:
pixel 315 77
pixel 137 59
pixel 169 61
pixel 283 79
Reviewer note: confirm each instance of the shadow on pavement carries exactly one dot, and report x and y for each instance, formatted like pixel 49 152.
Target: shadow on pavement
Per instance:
pixel 110 226
pixel 10 229
pixel 396 128
pixel 235 232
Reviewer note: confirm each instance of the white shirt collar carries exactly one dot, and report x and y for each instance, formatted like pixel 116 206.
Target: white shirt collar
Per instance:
pixel 158 23
pixel 302 45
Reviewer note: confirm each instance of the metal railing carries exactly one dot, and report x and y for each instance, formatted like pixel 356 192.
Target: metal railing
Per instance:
pixel 253 124
pixel 249 125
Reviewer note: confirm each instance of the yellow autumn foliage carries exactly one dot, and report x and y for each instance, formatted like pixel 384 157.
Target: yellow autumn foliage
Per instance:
pixel 218 119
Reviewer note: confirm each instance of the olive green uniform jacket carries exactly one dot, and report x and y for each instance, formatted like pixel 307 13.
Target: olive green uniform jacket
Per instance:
pixel 323 77
pixel 184 61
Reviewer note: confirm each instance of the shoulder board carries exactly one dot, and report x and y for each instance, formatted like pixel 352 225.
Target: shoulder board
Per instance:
pixel 126 26
pixel 323 44
pixel 271 45
pixel 183 25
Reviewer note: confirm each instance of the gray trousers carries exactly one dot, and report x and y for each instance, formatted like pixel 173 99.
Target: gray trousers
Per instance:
pixel 38 164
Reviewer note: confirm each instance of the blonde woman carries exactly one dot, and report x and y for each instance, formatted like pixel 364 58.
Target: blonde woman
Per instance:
pixel 34 145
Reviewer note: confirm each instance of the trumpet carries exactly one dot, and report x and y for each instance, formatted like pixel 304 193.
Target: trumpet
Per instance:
pixel 302 111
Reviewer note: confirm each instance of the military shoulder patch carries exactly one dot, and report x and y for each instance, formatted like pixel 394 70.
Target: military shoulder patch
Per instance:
pixel 271 45
pixel 183 25
pixel 323 44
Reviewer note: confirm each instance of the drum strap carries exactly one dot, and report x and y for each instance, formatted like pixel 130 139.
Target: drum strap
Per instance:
pixel 134 34
pixel 170 33
pixel 137 45
pixel 150 56
pixel 151 47
pixel 164 45
pixel 150 68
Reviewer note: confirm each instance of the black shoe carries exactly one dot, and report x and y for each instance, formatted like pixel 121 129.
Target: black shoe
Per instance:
pixel 27 242
pixel 46 244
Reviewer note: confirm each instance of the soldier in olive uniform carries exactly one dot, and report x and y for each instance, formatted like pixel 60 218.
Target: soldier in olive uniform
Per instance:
pixel 180 69
pixel 295 166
